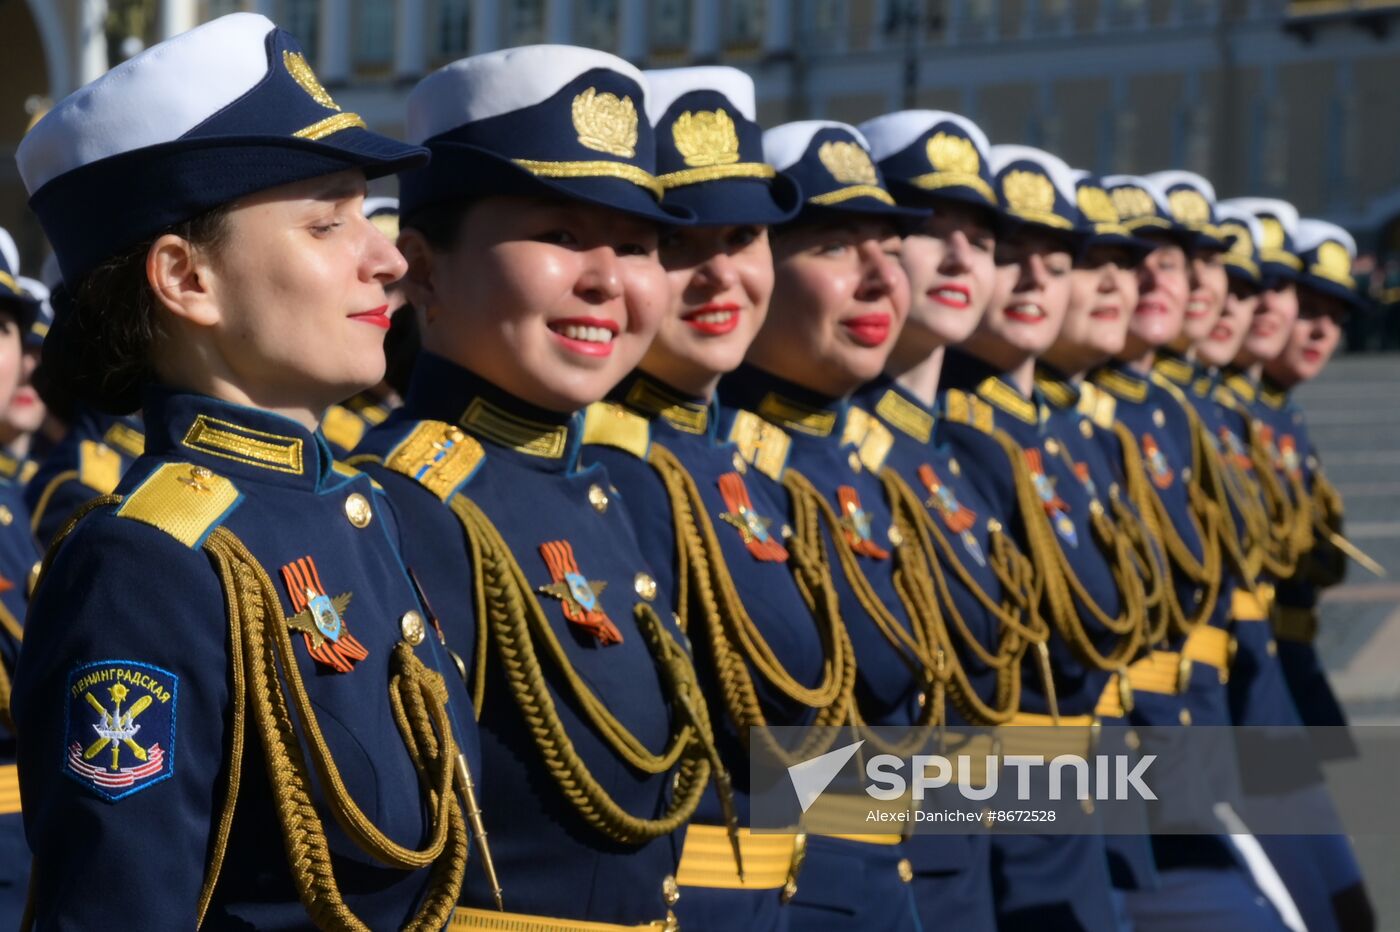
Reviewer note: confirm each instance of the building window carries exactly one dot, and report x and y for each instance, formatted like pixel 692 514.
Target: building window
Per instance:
pixel 669 25
pixel 823 25
pixel 743 24
pixel 213 9
pixel 453 28
pixel 374 33
pixel 977 20
pixel 1123 14
pixel 525 22
pixel 597 24
pixel 301 19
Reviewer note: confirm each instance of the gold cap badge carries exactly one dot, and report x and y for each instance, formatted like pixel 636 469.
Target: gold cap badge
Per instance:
pixel 1243 244
pixel 1096 205
pixel 301 72
pixel 949 153
pixel 705 138
pixel 847 162
pixel 1133 203
pixel 1189 206
pixel 1334 262
pixel 1272 233
pixel 1029 192
pixel 606 123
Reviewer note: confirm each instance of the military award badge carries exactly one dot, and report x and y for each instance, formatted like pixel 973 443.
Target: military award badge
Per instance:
pixel 320 618
pixel 578 594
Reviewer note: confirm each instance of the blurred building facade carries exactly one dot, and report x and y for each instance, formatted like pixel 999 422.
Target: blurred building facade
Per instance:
pixel 1266 97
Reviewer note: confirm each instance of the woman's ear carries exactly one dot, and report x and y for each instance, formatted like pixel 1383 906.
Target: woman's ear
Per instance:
pixel 417 282
pixel 183 281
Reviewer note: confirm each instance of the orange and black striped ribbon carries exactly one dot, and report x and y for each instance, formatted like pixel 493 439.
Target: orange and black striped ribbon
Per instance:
pixel 849 499
pixel 736 499
pixel 1052 503
pixel 341 654
pixel 559 557
pixel 957 516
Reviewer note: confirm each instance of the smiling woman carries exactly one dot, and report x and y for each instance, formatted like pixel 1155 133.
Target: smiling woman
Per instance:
pixel 532 250
pixel 234 292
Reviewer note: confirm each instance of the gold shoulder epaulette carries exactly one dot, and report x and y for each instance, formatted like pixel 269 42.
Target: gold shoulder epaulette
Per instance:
pixel 27 471
pixel 1171 388
pixel 607 424
pixel 1099 407
pixel 343 427
pixel 183 500
pixel 872 439
pixel 99 466
pixel 964 408
pixel 438 456
pixel 763 444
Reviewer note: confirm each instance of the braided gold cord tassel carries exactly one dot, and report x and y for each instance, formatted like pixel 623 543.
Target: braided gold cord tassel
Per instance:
pixel 517 621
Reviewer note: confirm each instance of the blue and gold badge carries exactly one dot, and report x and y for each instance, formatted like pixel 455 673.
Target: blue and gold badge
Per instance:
pixel 1056 508
pixel 320 618
pixel 752 526
pixel 120 732
pixel 855 521
pixel 958 518
pixel 1157 467
pixel 577 593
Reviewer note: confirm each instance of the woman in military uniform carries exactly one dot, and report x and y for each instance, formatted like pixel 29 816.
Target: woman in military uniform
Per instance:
pixel 532 245
pixel 839 301
pixel 770 643
pixel 937 160
pixel 1094 596
pixel 234 713
pixel 18 555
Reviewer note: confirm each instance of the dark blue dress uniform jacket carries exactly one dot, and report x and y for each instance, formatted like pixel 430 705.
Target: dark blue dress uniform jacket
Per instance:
pixel 132 613
pixel 842 882
pixel 532 486
pixel 19 555
pixel 1038 880
pixel 769 592
pixel 88 462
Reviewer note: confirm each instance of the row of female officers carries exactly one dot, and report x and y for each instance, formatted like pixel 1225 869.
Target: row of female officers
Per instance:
pixel 713 428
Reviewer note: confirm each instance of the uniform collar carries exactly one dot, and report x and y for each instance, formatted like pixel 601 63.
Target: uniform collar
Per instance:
pixel 666 407
pixel 800 411
pixel 1176 368
pixel 897 407
pixel 234 440
pixel 1123 382
pixel 1058 390
pixel 1241 384
pixel 9 466
pixel 1273 394
pixel 537 438
pixel 968 373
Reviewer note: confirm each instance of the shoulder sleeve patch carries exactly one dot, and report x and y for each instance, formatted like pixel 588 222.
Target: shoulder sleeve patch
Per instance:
pixel 185 501
pixel 438 456
pixel 99 466
pixel 763 445
pixel 606 424
pixel 343 427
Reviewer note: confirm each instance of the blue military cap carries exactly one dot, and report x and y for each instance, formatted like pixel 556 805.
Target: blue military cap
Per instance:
pixel 932 154
pixel 709 149
pixel 540 119
pixel 1191 200
pixel 1242 258
pixel 1327 252
pixel 1098 218
pixel 1035 188
pixel 43 317
pixel 13 294
pixel 831 163
pixel 1278 223
pixel 1142 207
pixel 147 145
